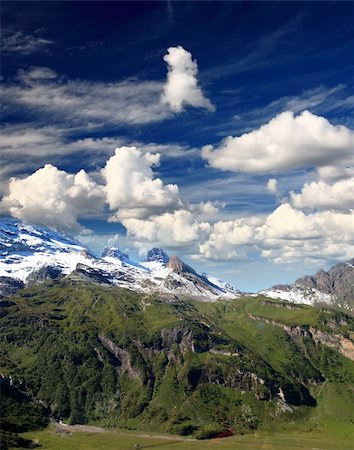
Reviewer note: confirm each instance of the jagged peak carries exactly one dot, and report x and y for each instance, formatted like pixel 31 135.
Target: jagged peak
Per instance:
pixel 178 266
pixel 114 252
pixel 158 255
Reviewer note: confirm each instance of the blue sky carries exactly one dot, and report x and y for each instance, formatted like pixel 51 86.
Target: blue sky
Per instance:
pixel 243 133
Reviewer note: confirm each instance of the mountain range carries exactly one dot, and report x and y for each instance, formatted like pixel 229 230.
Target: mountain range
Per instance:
pixel 31 254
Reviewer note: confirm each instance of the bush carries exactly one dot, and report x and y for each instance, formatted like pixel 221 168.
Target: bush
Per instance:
pixel 208 432
pixel 185 428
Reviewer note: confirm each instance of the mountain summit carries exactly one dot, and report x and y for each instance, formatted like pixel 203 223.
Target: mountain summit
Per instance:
pixel 158 255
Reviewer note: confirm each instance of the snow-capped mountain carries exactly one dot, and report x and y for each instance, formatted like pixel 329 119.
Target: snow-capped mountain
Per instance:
pixel 30 254
pixel 334 288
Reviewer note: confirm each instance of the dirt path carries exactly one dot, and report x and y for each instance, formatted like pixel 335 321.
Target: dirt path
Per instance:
pixel 74 428
pixel 62 427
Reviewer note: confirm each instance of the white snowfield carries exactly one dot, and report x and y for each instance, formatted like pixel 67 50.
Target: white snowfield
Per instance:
pixel 25 249
pixel 299 294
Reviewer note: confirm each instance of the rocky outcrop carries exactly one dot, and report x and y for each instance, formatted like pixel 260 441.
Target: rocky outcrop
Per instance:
pixel 183 337
pixel 9 286
pixel 281 305
pixel 122 356
pixel 86 273
pixel 336 341
pixel 44 273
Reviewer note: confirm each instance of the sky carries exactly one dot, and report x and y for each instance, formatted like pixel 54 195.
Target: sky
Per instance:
pixel 219 131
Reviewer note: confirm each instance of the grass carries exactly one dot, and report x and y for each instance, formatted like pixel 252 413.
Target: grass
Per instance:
pixel 51 338
pixel 326 439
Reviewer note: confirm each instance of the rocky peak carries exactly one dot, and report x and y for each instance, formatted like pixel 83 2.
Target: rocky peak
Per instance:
pixel 337 281
pixel 158 255
pixel 178 266
pixel 114 252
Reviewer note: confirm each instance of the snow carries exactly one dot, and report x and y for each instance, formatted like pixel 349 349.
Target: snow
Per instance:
pixel 24 249
pixel 299 295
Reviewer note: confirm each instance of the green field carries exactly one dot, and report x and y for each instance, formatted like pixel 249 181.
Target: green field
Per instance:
pixel 326 439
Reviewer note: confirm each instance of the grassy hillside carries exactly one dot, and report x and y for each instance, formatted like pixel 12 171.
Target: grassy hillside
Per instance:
pixel 87 354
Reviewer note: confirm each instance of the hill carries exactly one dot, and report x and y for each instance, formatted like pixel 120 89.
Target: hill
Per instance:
pixel 84 353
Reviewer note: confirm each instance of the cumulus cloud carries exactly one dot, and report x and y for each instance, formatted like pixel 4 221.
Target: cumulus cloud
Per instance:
pixel 54 198
pixel 181 88
pixel 227 238
pixel 286 235
pixel 285 143
pixel 290 235
pixel 272 185
pixel 336 172
pixel 318 194
pixel 169 229
pixel 133 190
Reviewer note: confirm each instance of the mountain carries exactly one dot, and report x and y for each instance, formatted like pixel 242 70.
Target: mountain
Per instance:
pixel 157 255
pixel 334 288
pixel 80 352
pixel 32 254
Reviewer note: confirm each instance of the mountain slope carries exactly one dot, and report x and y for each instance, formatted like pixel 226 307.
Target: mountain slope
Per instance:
pixel 334 288
pixel 32 254
pixel 111 356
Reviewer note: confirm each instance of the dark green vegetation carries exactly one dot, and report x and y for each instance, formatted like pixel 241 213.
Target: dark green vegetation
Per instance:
pixel 109 356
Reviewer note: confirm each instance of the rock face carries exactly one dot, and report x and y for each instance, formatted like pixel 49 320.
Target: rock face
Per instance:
pixel 158 255
pixel 44 273
pixel 179 266
pixel 336 341
pixel 334 288
pixel 338 281
pixel 9 286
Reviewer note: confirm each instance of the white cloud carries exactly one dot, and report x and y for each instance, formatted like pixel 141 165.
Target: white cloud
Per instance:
pixel 318 194
pixel 36 73
pixel 286 235
pixel 336 172
pixel 24 44
pixel 272 185
pixel 132 189
pixel 289 235
pixel 87 104
pixel 54 198
pixel 227 238
pixel 286 143
pixel 168 229
pixel 181 88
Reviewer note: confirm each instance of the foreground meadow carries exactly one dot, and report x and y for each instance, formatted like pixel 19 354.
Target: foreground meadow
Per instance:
pixel 332 438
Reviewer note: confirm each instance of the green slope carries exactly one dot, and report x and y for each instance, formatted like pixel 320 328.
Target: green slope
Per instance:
pixel 113 357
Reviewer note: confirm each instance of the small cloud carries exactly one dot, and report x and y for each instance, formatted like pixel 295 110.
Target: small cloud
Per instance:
pixel 272 185
pixel 36 73
pixel 181 87
pixel 23 44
